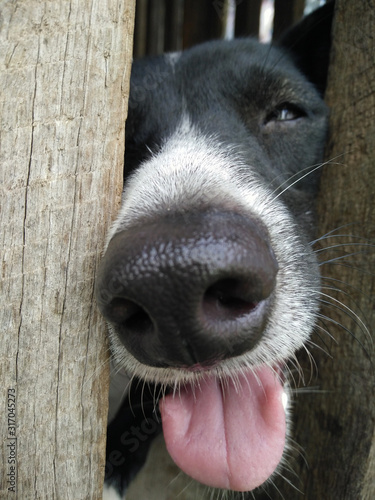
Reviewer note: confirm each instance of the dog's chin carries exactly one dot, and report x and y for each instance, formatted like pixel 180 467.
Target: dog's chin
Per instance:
pixel 224 425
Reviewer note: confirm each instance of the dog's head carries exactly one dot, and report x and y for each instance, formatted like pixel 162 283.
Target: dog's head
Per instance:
pixel 208 282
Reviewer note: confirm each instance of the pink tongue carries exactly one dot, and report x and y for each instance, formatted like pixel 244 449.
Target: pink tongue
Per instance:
pixel 228 435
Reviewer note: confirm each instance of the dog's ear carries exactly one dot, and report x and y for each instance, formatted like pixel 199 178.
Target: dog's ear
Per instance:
pixel 309 43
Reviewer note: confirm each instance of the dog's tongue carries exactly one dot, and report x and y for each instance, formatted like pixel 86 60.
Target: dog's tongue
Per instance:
pixel 227 435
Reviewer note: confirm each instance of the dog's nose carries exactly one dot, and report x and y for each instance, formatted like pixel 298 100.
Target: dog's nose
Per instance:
pixel 190 289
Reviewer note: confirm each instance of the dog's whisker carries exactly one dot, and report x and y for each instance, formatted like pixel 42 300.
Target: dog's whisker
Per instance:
pixel 300 177
pixel 129 392
pixel 348 311
pixel 297 367
pixel 351 300
pixel 275 487
pixel 340 246
pixel 95 373
pixel 322 337
pixel 309 170
pixel 333 232
pixel 344 328
pixel 341 257
pixel 326 280
pixel 309 390
pixel 348 240
pixel 312 363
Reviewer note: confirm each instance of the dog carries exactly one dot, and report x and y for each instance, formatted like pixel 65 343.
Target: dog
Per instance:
pixel 208 282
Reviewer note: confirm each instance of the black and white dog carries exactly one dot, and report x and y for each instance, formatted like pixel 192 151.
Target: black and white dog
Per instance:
pixel 208 281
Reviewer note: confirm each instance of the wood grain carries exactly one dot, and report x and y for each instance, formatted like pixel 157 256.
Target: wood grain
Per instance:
pixel 64 73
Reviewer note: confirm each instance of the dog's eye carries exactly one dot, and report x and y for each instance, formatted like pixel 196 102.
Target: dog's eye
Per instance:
pixel 284 113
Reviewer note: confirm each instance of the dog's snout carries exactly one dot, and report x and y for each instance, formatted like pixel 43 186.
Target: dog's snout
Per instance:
pixel 188 289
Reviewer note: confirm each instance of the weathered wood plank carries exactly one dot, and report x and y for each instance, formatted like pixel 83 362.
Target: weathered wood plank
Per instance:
pixel 64 71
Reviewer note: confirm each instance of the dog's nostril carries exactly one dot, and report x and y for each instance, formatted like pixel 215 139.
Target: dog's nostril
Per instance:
pixel 140 323
pixel 228 299
pixel 130 315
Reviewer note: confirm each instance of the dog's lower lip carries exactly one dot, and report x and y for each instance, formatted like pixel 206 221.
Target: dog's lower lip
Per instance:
pixel 279 368
pixel 198 367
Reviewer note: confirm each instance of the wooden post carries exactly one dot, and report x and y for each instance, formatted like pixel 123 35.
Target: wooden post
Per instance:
pixel 64 72
pixel 336 424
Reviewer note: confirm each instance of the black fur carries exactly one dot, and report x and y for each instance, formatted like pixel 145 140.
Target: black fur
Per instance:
pixel 264 105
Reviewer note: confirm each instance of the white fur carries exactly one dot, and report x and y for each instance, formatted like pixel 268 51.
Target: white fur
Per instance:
pixel 172 57
pixel 192 171
pixel 109 493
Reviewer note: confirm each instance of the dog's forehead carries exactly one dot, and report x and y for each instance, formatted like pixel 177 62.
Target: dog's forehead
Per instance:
pixel 210 64
pixel 216 74
pixel 224 55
